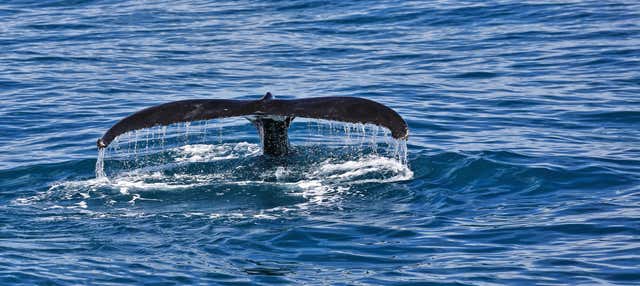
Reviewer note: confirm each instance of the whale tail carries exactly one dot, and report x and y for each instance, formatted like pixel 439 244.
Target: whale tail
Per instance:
pixel 271 116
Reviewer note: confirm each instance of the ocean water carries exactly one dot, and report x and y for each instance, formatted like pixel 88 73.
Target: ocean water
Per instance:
pixel 523 161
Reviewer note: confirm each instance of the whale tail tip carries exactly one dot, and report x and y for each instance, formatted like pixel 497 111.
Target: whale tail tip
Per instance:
pixel 267 96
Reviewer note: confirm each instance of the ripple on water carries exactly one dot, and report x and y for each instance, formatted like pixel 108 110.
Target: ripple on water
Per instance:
pixel 523 147
pixel 211 178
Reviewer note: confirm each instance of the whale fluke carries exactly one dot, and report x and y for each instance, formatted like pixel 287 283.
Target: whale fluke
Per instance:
pixel 265 113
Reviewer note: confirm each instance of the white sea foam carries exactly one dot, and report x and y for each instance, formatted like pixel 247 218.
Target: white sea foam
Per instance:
pixel 322 183
pixel 208 153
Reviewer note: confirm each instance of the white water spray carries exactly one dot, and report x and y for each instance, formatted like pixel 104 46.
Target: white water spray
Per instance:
pixel 361 139
pixel 100 164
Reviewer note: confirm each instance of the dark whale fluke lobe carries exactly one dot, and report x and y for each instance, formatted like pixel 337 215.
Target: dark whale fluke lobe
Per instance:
pixel 271 116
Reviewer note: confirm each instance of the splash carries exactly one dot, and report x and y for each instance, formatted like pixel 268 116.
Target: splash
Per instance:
pixel 209 153
pixel 400 151
pixel 100 164
pixel 231 178
pixel 157 145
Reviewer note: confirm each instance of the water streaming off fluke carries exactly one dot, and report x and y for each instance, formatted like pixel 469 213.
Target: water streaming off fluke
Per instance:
pixel 153 146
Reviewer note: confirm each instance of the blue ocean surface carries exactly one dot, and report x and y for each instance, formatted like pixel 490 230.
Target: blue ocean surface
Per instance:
pixel 522 164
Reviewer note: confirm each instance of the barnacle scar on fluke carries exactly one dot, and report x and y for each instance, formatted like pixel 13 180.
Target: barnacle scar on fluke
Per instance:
pixel 271 116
